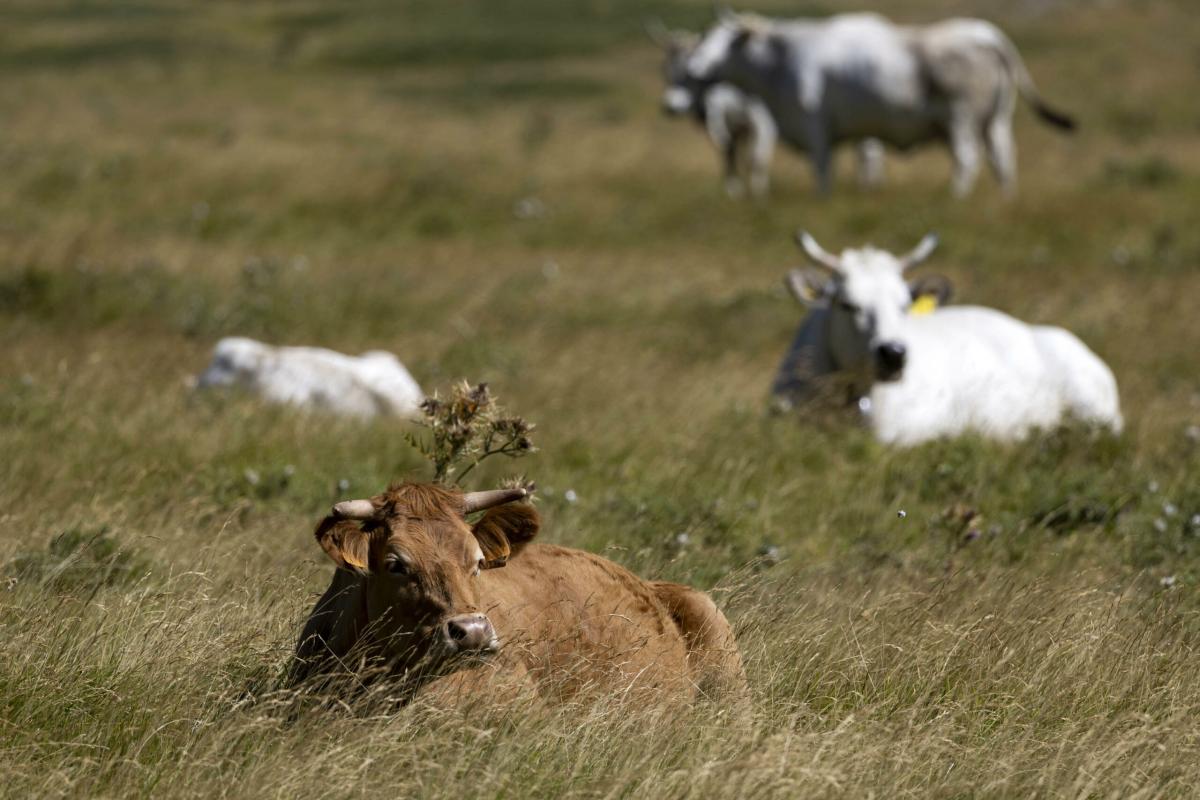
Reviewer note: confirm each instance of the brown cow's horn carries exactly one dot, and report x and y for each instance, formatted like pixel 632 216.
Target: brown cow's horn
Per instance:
pixel 478 501
pixel 354 509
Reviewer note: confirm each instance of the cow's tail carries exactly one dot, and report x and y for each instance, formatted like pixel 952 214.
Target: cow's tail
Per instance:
pixel 1016 67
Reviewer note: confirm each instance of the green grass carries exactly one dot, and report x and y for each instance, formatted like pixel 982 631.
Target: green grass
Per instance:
pixel 350 176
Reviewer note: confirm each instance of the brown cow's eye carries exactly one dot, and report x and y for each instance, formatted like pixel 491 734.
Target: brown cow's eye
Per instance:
pixel 397 566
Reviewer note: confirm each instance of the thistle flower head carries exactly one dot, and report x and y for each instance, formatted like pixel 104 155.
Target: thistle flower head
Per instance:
pixel 467 427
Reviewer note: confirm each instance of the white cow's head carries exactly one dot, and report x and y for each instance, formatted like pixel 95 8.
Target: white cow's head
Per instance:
pixel 683 91
pixel 718 54
pixel 236 361
pixel 868 303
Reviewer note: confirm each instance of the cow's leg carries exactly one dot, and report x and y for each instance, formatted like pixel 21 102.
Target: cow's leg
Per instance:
pixel 725 140
pixel 870 163
pixel 964 145
pixel 1002 153
pixel 762 149
pixel 752 173
pixel 816 131
pixel 821 153
pixel 760 179
pixel 713 658
pixel 733 180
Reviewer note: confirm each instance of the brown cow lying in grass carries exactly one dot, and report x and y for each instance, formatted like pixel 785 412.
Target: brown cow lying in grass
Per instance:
pixel 418 598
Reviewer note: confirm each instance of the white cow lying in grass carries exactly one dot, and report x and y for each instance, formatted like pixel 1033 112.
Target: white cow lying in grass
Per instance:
pixel 953 370
pixel 312 377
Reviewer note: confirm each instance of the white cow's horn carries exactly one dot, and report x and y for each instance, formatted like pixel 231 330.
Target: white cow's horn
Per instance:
pixel 354 509
pixel 920 252
pixel 657 32
pixel 478 501
pixel 817 253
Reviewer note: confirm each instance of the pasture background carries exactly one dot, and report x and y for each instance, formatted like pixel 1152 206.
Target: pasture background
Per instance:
pixel 489 190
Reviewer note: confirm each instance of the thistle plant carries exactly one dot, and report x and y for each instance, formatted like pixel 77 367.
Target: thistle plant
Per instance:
pixel 466 428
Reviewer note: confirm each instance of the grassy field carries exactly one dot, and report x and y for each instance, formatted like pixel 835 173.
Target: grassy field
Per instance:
pixel 489 190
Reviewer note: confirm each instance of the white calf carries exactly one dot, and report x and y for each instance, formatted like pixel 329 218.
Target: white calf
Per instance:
pixel 312 377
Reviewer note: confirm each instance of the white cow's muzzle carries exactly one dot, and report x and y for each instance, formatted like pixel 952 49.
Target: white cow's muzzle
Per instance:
pixel 676 100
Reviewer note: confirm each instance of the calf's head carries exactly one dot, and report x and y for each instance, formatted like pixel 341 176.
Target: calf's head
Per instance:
pixel 868 303
pixel 420 560
pixel 235 362
pixel 683 93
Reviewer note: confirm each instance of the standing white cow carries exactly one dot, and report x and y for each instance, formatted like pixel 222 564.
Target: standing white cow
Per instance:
pixel 853 76
pixel 312 377
pixel 739 125
pixel 954 369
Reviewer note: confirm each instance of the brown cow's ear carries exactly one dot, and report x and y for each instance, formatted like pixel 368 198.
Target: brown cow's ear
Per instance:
pixel 504 530
pixel 346 543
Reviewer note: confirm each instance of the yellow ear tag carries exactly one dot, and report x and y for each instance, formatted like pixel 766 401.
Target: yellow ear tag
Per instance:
pixel 925 304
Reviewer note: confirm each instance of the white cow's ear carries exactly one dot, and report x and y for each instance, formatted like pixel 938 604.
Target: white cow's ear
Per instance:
pixel 807 286
pixel 937 287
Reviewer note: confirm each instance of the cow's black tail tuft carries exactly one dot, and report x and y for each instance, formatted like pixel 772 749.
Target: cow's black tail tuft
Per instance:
pixel 1052 117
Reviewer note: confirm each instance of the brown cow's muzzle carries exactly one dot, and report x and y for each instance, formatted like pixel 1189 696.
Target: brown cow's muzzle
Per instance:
pixel 470 633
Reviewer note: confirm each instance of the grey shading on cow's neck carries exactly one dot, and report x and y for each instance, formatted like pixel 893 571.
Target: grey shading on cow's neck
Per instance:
pixel 809 373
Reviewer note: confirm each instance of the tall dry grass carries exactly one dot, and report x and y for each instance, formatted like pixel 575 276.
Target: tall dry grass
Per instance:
pixel 978 685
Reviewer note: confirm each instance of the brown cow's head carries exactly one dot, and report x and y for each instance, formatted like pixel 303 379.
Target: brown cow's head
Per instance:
pixel 420 558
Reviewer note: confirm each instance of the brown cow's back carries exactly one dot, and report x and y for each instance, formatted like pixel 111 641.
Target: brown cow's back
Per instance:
pixel 573 619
